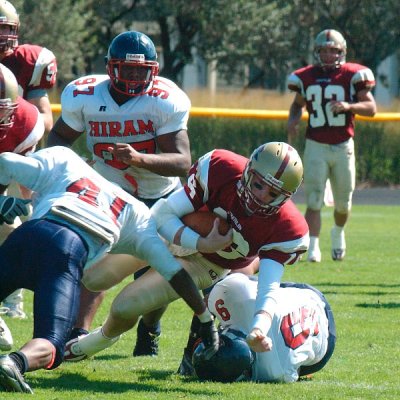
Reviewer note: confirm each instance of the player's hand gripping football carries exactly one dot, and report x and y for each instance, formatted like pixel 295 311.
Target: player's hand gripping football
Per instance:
pixel 12 207
pixel 209 335
pixel 214 241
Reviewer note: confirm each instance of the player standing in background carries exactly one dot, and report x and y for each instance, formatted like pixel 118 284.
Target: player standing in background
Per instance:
pixel 21 128
pixel 253 196
pixel 303 333
pixel 143 118
pixel 35 68
pixel 333 91
pixel 78 216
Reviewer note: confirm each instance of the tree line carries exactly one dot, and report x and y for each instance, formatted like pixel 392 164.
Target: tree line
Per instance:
pixel 269 37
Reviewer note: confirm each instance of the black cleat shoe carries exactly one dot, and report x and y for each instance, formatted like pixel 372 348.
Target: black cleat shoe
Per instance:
pixel 11 380
pixel 76 332
pixel 186 366
pixel 146 341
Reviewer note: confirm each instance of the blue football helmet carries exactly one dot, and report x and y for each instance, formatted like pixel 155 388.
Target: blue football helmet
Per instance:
pixel 232 361
pixel 132 63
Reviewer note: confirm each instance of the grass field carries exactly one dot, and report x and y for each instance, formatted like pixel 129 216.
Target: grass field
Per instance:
pixel 363 291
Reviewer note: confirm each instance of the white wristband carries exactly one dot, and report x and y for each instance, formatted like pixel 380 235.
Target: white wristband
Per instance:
pixel 189 238
pixel 261 322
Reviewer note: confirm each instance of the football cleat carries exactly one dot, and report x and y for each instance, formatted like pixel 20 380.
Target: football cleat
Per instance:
pixel 76 332
pixel 314 255
pixel 15 310
pixel 15 304
pixel 146 341
pixel 11 379
pixel 6 340
pixel 338 243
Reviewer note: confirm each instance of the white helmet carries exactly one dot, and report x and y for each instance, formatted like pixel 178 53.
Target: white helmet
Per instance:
pixel 332 39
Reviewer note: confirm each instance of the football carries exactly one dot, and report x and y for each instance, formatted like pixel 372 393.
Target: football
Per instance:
pixel 202 222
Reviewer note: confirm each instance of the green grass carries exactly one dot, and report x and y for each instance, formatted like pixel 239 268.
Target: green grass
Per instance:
pixel 363 291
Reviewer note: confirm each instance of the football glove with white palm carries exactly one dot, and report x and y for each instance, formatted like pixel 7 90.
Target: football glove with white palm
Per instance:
pixel 12 207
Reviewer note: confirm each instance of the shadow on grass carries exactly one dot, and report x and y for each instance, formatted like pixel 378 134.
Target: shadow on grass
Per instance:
pixel 73 381
pixel 364 285
pixel 379 305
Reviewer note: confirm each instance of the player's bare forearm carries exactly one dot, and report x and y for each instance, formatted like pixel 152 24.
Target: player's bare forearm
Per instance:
pixel 295 113
pixel 165 164
pixel 183 284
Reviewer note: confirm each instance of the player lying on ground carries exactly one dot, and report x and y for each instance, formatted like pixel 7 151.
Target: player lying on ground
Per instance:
pixel 302 333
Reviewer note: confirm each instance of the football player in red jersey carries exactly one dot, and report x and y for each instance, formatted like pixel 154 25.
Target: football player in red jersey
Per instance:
pixel 21 128
pixel 253 196
pixel 34 67
pixel 135 123
pixel 332 91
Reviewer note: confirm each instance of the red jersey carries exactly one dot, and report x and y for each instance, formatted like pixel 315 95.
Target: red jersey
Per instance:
pixel 34 67
pixel 27 130
pixel 282 237
pixel 318 87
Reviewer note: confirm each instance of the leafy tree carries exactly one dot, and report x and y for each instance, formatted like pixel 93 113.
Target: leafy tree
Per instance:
pixel 269 37
pixel 65 27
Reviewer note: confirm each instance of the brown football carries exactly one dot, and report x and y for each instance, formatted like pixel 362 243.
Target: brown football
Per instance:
pixel 202 222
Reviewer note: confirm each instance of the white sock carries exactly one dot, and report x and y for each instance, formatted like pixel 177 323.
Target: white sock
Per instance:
pixel 95 342
pixel 337 229
pixel 314 242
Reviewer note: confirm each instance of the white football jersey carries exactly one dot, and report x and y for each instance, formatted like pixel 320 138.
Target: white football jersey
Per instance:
pixel 87 106
pixel 68 190
pixel 299 330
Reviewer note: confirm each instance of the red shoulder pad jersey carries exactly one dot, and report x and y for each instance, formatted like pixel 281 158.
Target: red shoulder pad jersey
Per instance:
pixel 318 87
pixel 281 237
pixel 27 130
pixel 34 67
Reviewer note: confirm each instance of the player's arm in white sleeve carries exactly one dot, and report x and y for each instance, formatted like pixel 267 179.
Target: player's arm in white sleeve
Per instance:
pixel 156 253
pixel 24 170
pixel 70 124
pixel 168 212
pixel 269 278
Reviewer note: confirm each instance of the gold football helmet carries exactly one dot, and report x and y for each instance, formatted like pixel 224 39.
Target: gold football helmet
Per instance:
pixel 280 167
pixel 329 38
pixel 9 22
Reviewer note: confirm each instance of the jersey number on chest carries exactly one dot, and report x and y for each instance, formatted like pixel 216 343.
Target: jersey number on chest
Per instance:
pixel 319 98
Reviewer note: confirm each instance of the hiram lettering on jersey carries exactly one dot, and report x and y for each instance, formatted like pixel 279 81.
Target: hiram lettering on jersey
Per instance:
pixel 118 129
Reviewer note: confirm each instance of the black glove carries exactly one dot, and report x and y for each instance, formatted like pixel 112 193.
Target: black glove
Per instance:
pixel 12 207
pixel 209 334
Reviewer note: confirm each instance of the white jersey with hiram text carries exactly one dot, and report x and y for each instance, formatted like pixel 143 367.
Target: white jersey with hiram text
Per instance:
pixel 88 107
pixel 299 330
pixel 69 191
